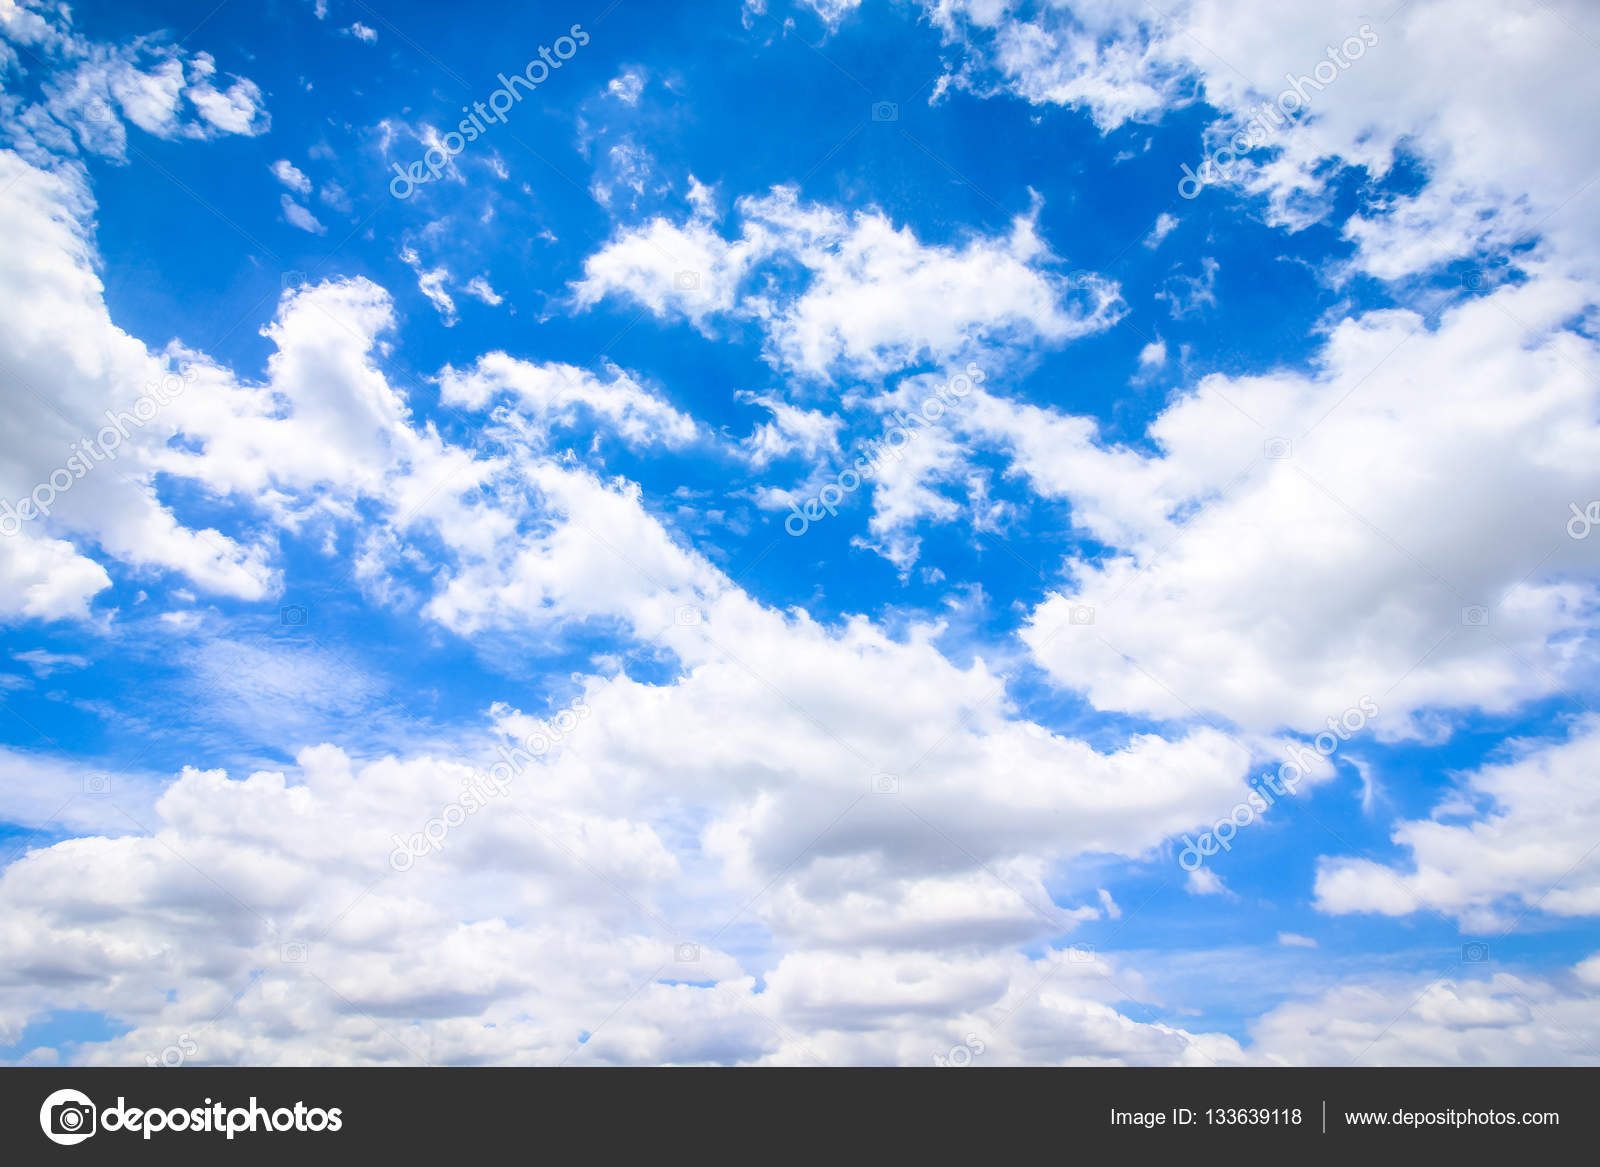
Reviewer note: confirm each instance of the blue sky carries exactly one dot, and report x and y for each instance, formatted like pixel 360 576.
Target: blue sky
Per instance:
pixel 514 461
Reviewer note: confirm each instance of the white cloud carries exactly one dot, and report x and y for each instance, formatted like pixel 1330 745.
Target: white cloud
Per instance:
pixel 480 288
pixel 1499 166
pixel 1517 837
pixel 46 793
pixel 1507 1019
pixel 1109 61
pixel 547 395
pixel 1186 294
pixel 874 815
pixel 877 298
pixel 95 89
pixel 291 176
pixel 1269 487
pixel 792 430
pixel 235 110
pixel 322 431
pixel 431 283
pixel 298 216
pixel 363 33
pixel 831 11
pixel 57 333
pixel 628 166
pixel 1165 224
pixel 627 86
pixel 336 197
pixel 44 662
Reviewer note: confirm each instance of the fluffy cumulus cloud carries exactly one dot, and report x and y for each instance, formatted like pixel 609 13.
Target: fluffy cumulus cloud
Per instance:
pixel 92 91
pixel 549 394
pixel 92 417
pixel 297 216
pixel 1375 90
pixel 878 819
pixel 1111 61
pixel 1516 837
pixel 662 816
pixel 1501 1020
pixel 1453 593
pixel 870 298
pixel 291 176
pixel 637 846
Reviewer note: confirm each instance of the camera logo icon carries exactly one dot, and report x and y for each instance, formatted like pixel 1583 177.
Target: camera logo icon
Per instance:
pixel 292 615
pixel 1475 616
pixel 1277 449
pixel 1080 614
pixel 686 953
pixel 688 615
pixel 292 279
pixel 686 281
pixel 67 1117
pixel 885 111
pixel 97 784
pixel 1474 952
pixel 294 952
pixel 1080 954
